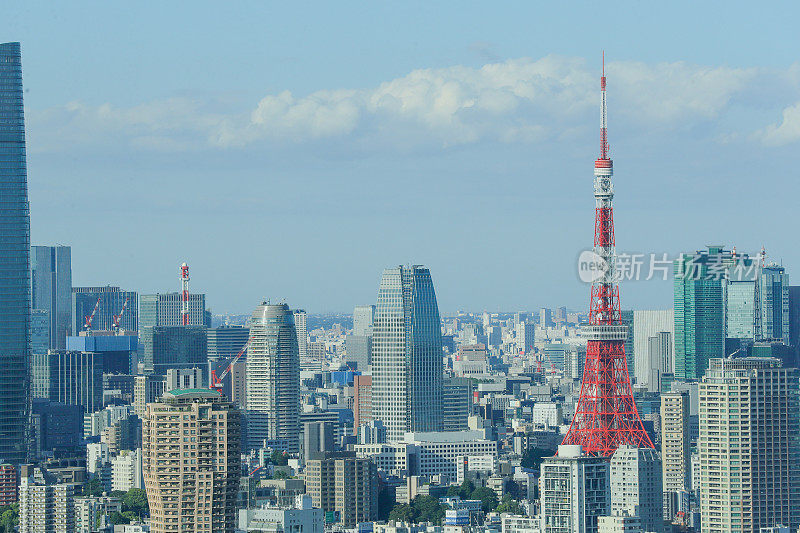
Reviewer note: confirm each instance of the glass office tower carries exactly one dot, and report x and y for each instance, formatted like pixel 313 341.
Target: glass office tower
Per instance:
pixel 407 353
pixel 51 290
pixel 699 290
pixel 15 281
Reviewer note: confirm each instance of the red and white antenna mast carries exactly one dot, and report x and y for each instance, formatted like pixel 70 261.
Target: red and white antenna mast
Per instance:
pixel 606 415
pixel 185 293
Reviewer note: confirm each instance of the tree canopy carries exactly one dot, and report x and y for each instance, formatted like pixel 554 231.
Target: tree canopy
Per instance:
pixel 423 508
pixel 487 497
pixel 509 505
pixel 532 458
pixel 135 501
pixel 9 517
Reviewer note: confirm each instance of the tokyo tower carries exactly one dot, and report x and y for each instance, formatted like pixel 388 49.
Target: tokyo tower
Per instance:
pixel 606 415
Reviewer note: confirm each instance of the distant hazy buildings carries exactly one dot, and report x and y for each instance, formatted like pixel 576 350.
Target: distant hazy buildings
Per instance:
pixel 165 310
pixel 112 300
pixel 646 325
pixel 359 344
pixel 749 451
pixel 51 290
pixel 407 353
pixel 15 278
pixel 194 489
pixel 525 337
pixel 273 379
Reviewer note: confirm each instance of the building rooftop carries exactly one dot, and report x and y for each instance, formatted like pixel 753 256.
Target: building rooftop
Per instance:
pixel 199 393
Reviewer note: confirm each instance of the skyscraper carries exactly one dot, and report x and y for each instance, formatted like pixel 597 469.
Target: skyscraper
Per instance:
pixel 15 277
pixel 526 334
pixel 646 324
pixel 741 297
pixel 675 442
pixel 191 484
pixel 363 318
pixel 546 317
pixel 165 347
pixel 273 379
pixel 407 353
pixel 164 309
pixel 659 359
pixel 51 289
pixel 301 326
pixel 359 344
pixel 72 378
pixel 774 300
pixel 699 299
pixel 749 450
pixel 112 300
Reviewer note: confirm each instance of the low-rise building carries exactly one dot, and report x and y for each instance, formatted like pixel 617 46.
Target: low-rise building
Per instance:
pixel 301 518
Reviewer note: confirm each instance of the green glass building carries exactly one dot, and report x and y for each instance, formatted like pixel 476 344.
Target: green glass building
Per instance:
pixel 699 290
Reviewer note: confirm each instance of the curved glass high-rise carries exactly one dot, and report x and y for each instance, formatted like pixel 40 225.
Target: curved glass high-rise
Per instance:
pixel 407 353
pixel 273 379
pixel 15 282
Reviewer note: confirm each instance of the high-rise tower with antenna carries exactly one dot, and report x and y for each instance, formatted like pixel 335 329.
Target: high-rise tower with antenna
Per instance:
pixel 606 415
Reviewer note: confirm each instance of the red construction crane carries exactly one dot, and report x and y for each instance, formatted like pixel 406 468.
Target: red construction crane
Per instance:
pixel 117 318
pixel 88 318
pixel 216 382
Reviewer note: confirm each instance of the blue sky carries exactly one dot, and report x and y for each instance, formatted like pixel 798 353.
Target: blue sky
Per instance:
pixel 295 150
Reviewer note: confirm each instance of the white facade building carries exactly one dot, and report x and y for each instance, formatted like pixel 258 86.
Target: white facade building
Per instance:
pixel 636 486
pixel 44 504
pixel 302 518
pixel 575 491
pixel 431 453
pixel 619 524
pixel 273 379
pixel 547 414
pixel 126 470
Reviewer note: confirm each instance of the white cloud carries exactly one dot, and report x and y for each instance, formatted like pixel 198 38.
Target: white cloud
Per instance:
pixel 788 131
pixel 518 100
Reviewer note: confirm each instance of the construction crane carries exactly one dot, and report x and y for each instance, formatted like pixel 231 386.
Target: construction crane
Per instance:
pixel 117 318
pixel 216 382
pixel 89 318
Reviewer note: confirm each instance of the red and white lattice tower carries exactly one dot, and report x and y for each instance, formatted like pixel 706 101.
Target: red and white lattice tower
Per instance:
pixel 185 294
pixel 606 415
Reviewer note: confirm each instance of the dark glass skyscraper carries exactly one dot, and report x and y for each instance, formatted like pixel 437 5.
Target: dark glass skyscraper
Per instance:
pixel 15 281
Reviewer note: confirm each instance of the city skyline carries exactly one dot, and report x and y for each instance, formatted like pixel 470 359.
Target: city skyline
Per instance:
pixel 502 153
